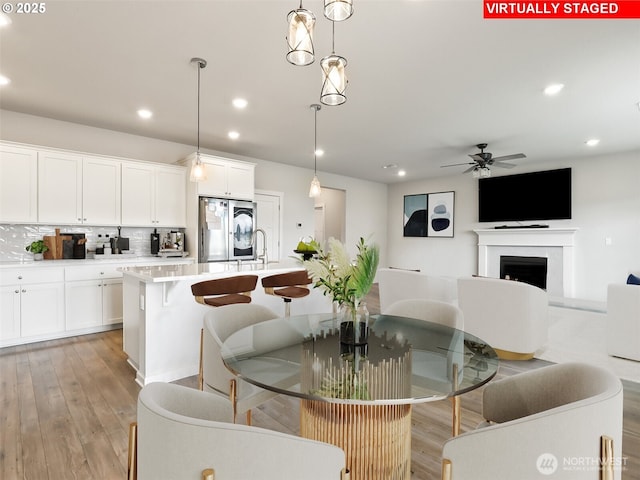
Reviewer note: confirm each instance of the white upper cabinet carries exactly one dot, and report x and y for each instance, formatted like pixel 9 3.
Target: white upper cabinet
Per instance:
pixel 73 189
pixel 227 178
pixel 101 191
pixel 153 195
pixel 59 188
pixel 18 184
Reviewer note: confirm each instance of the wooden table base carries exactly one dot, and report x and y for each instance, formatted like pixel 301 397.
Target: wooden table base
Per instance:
pixel 376 438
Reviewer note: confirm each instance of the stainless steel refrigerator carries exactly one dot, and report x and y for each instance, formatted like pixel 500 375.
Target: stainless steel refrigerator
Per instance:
pixel 225 230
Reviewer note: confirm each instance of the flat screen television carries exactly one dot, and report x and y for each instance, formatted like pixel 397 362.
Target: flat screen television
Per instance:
pixel 542 195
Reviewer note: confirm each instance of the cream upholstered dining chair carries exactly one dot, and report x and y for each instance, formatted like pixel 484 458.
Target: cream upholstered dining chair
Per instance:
pixel 219 292
pixel 444 314
pixel 563 422
pixel 219 324
pixel 510 316
pixel 183 433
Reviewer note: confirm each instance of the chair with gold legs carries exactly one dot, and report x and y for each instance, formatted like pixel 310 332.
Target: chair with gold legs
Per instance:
pixel 288 286
pixel 220 292
pixel 444 314
pixel 184 433
pixel 563 421
pixel 219 324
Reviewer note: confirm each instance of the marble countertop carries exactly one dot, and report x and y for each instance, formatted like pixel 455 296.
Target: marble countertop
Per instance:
pixel 174 273
pixel 100 260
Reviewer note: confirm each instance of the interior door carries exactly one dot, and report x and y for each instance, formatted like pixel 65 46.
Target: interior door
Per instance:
pixel 268 219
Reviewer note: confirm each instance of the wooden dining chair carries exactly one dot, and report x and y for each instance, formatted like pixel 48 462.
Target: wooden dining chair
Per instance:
pixel 288 286
pixel 219 292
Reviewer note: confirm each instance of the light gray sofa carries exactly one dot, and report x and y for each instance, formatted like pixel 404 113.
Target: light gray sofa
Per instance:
pixel 623 321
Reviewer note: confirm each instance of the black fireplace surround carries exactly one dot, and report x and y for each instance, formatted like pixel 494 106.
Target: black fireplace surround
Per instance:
pixel 531 270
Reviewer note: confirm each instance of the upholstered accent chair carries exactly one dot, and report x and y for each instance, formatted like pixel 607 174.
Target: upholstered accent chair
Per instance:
pixel 219 324
pixel 443 314
pixel 623 321
pixel 397 284
pixel 563 422
pixel 510 316
pixel 183 433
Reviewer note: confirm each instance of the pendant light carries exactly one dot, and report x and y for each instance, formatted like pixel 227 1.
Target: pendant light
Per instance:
pixel 300 39
pixel 315 190
pixel 334 79
pixel 198 169
pixel 338 10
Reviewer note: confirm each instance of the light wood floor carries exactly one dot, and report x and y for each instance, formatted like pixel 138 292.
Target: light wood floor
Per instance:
pixel 65 408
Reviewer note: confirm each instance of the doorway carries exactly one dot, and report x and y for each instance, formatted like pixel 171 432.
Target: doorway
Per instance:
pixel 330 215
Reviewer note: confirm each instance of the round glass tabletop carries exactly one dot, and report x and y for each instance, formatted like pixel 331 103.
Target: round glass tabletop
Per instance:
pixel 402 361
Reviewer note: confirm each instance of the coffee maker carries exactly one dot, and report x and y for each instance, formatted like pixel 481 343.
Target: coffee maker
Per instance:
pixel 172 244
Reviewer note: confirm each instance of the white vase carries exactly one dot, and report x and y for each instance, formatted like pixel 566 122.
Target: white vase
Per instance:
pixel 38 256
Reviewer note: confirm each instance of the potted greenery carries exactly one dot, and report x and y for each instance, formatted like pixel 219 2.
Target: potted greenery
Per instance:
pixel 37 247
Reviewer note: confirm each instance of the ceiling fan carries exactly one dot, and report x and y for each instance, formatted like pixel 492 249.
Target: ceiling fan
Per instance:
pixel 482 161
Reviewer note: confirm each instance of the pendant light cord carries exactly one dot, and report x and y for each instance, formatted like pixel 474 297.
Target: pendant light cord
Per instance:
pixel 199 68
pixel 315 140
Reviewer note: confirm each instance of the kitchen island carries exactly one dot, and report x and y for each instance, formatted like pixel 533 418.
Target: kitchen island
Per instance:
pixel 162 321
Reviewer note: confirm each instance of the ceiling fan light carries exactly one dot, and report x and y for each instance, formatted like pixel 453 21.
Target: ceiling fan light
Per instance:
pixel 300 39
pixel 334 80
pixel 338 10
pixel 485 172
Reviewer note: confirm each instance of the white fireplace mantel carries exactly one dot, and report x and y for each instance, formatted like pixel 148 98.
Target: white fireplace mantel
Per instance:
pixel 556 244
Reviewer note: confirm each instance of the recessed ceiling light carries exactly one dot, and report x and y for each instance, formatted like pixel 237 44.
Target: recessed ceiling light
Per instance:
pixel 240 103
pixel 319 152
pixel 553 89
pixel 4 19
pixel 144 113
pixel 401 173
pixel 592 142
pixel 233 135
pixel 4 80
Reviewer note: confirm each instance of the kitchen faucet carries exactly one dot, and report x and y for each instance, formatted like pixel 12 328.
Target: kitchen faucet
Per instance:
pixel 254 237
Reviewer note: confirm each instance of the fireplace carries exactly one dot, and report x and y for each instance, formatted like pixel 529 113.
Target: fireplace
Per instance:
pixel 554 244
pixel 531 270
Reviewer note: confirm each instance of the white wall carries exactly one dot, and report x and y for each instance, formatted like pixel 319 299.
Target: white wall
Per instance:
pixel 366 202
pixel 606 204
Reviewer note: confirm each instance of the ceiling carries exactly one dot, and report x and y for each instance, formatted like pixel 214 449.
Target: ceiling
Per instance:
pixel 427 81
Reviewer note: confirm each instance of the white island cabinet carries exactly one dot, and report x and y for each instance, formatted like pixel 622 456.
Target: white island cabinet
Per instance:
pixel 162 321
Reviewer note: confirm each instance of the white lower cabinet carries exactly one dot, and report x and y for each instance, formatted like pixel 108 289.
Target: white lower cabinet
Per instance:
pixel 31 303
pixel 93 296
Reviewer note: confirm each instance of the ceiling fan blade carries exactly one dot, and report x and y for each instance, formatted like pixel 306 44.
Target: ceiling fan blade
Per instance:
pixel 470 168
pixel 457 164
pixel 503 165
pixel 509 157
pixel 477 157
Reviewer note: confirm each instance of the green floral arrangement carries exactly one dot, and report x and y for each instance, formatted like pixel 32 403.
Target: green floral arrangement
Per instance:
pixel 346 281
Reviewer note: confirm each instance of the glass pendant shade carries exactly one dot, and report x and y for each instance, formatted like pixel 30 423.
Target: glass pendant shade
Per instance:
pixel 198 170
pixel 338 10
pixel 334 80
pixel 315 190
pixel 300 39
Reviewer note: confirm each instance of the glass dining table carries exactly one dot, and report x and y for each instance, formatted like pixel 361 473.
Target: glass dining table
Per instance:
pixel 359 396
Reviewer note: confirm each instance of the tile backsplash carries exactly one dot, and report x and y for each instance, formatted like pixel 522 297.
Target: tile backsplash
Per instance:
pixel 14 238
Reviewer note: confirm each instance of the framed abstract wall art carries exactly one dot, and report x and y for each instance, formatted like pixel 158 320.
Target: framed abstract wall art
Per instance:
pixel 429 215
pixel 440 216
pixel 415 215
